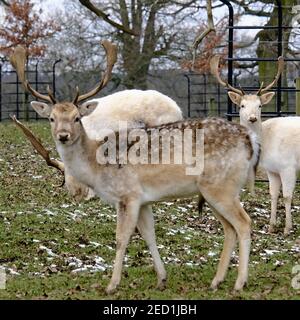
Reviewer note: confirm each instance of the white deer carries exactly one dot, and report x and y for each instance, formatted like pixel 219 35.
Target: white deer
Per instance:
pixel 230 153
pixel 280 137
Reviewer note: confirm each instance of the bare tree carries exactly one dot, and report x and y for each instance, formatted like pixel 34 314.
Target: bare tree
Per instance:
pixel 145 29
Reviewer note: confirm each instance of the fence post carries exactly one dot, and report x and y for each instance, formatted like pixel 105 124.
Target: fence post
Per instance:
pixel 17 96
pixel 36 85
pixel 26 97
pixel 189 94
pixel 212 110
pixel 298 96
pixel 0 92
pixel 53 76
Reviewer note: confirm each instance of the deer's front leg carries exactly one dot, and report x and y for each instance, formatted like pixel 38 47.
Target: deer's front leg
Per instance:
pixel 127 217
pixel 146 228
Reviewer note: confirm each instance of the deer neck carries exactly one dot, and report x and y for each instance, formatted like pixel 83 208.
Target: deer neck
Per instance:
pixel 80 158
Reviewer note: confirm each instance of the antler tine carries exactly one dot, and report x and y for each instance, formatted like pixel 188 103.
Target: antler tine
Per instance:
pixel 75 100
pixel 111 58
pixel 260 88
pixel 51 95
pixel 214 69
pixel 18 61
pixel 242 90
pixel 279 71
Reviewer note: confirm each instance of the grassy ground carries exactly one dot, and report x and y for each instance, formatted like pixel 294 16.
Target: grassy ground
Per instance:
pixel 53 248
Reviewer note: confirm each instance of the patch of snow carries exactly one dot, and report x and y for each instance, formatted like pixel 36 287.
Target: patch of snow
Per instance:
pixel 183 209
pixel 270 252
pixel 211 253
pixel 168 203
pixel 37 177
pixel 49 251
pixel 49 212
pixel 96 244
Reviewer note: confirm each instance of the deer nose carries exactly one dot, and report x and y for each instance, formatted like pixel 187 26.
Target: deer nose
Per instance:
pixel 63 137
pixel 252 119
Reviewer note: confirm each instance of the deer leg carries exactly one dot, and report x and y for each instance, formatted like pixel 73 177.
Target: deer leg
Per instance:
pixel 127 217
pixel 229 244
pixel 243 228
pixel 288 179
pixel 274 188
pixel 201 202
pixel 226 204
pixel 146 228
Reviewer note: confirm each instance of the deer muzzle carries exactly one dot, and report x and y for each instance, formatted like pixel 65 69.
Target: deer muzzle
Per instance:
pixel 63 137
pixel 252 119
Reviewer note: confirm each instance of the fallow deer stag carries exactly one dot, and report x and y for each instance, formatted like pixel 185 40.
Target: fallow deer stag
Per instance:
pixel 280 155
pixel 230 153
pixel 137 107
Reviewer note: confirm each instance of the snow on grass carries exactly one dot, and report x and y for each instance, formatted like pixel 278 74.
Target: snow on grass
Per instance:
pixel 48 251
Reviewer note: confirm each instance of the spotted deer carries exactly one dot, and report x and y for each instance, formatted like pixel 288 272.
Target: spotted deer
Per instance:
pixel 280 155
pixel 230 154
pixel 137 107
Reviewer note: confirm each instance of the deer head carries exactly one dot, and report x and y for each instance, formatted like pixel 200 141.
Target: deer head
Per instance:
pixel 64 116
pixel 249 104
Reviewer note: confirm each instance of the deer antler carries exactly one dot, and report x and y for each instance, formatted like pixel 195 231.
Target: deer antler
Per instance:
pixel 279 71
pixel 38 146
pixel 214 69
pixel 18 61
pixel 111 56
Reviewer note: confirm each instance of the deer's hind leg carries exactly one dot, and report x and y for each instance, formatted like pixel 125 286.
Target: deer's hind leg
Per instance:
pixel 226 203
pixel 274 189
pixel 288 179
pixel 228 247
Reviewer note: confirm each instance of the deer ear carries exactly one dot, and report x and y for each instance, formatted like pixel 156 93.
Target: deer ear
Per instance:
pixel 235 97
pixel 88 107
pixel 43 109
pixel 266 97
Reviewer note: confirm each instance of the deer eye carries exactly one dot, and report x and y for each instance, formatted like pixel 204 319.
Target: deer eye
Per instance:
pixel 51 119
pixel 259 106
pixel 77 119
pixel 242 106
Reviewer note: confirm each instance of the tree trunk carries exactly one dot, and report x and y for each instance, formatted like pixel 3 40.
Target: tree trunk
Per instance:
pixel 267 48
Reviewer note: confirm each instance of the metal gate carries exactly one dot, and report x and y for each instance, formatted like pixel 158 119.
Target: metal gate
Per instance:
pixel 13 99
pixel 201 89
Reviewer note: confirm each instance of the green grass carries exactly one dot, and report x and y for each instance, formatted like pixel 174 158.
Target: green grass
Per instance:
pixel 54 248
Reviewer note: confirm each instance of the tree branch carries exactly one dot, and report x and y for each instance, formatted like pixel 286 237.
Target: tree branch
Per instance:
pixel 105 17
pixel 245 66
pixel 5 3
pixel 259 13
pixel 124 13
pixel 210 28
